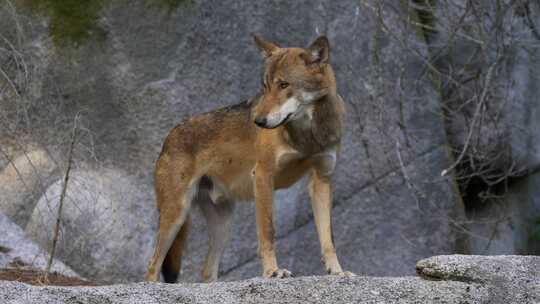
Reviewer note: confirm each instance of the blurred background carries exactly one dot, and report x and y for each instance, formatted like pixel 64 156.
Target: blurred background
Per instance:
pixel 89 90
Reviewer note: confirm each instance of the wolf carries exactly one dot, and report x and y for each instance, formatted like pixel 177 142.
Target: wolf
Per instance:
pixel 245 152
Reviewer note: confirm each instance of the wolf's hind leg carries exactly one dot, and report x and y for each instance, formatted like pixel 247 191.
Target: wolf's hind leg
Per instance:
pixel 219 219
pixel 175 189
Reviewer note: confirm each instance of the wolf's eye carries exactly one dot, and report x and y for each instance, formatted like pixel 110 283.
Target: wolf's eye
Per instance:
pixel 283 85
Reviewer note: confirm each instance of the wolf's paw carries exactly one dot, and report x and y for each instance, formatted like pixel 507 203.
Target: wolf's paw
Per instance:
pixel 347 274
pixel 277 273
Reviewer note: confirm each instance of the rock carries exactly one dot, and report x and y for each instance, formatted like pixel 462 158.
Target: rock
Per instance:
pixel 481 269
pixel 333 290
pixel 518 276
pixel 510 278
pixel 510 224
pixel 380 120
pixel 156 67
pixel 23 181
pixel 511 117
pixel 498 174
pixel 16 250
pixel 108 225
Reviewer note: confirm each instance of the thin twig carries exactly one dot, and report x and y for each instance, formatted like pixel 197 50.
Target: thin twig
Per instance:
pixel 62 197
pixel 473 123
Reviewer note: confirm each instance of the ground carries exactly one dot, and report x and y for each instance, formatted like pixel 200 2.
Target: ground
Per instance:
pixel 37 277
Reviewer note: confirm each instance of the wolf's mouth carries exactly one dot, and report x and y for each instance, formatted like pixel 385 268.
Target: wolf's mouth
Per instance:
pixel 281 122
pixel 286 118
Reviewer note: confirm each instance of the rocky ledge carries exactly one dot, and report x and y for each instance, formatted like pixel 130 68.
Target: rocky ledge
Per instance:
pixel 442 279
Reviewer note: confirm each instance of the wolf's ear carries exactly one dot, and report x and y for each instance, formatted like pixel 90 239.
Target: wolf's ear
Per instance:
pixel 319 51
pixel 266 47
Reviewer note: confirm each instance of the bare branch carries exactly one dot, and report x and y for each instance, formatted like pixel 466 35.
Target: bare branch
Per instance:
pixel 62 197
pixel 473 123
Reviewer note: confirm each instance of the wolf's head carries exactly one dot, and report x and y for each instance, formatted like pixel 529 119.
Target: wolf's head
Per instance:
pixel 294 78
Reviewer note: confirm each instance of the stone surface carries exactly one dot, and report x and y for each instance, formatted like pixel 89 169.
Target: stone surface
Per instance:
pixel 22 182
pixel 380 119
pixel 496 52
pixel 108 225
pixel 155 67
pixel 459 279
pixel 16 250
pixel 511 224
pixel 300 290
pixel 509 278
pixel 481 269
pixel 511 116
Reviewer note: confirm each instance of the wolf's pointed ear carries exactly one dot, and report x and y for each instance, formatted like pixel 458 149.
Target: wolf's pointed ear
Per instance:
pixel 319 51
pixel 266 47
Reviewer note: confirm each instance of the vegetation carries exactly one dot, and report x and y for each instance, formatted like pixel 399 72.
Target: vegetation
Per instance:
pixel 71 21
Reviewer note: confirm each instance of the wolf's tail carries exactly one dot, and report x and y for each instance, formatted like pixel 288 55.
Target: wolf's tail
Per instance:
pixel 173 260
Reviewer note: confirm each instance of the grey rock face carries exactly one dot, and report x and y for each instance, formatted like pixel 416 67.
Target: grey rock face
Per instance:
pixel 380 120
pixel 108 225
pixel 17 249
pixel 155 68
pixel 511 113
pixel 504 141
pixel 22 182
pixel 461 279
pixel 509 225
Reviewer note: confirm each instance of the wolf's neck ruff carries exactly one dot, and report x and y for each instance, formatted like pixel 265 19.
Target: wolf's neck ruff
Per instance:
pixel 323 129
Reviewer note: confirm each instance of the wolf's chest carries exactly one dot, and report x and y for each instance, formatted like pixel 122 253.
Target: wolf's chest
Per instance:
pixel 292 165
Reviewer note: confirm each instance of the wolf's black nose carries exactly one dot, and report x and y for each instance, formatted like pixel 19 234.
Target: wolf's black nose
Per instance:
pixel 260 121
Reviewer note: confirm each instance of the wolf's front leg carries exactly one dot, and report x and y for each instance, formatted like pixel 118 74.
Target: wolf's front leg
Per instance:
pixel 264 188
pixel 320 191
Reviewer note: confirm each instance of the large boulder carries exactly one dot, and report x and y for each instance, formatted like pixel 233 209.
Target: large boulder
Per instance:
pixel 16 250
pixel 450 279
pixel 492 110
pixel 321 290
pixel 108 224
pixel 509 279
pixel 496 81
pixel 155 66
pixel 22 182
